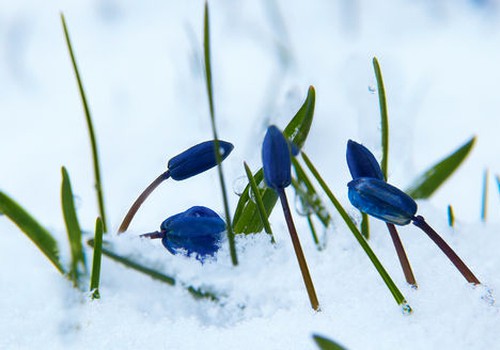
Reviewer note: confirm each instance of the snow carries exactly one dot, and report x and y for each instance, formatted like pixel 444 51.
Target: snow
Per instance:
pixel 140 64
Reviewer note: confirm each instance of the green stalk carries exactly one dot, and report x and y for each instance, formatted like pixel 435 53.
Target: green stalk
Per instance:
pixel 90 127
pixel 398 296
pixel 451 216
pixel 258 201
pixel 96 261
pixel 484 199
pixel 383 115
pixel 208 74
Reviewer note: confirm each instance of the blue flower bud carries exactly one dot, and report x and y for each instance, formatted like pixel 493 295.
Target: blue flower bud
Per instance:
pixel 197 159
pixel 276 159
pixel 197 231
pixel 362 162
pixel 381 200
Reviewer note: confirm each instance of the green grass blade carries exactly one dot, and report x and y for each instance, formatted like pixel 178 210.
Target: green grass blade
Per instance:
pixel 258 201
pixel 398 296
pixel 365 225
pixel 383 117
pixel 208 75
pixel 90 127
pixel 308 195
pixel 451 216
pixel 78 266
pixel 27 224
pixel 95 275
pixel 484 197
pixel 246 216
pixel 314 235
pixel 154 274
pixel 326 344
pixel 425 185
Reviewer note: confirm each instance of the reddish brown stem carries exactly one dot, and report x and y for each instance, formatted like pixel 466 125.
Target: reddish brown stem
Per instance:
pixel 153 235
pixel 298 251
pixel 403 258
pixel 138 202
pixel 459 264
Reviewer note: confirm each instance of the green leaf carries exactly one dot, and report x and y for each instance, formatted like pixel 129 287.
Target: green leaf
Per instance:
pixel 78 266
pixel 154 274
pixel 327 344
pixel 427 183
pixel 95 276
pixel 383 117
pixel 90 127
pixel 27 224
pixel 246 217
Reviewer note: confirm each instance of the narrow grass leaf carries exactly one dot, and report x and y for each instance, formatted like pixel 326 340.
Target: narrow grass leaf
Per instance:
pixel 484 197
pixel 78 266
pixel 365 225
pixel 154 274
pixel 208 76
pixel 383 117
pixel 258 201
pixel 451 216
pixel 95 275
pixel 90 127
pixel 246 217
pixel 27 224
pixel 396 293
pixel 427 183
pixel 327 344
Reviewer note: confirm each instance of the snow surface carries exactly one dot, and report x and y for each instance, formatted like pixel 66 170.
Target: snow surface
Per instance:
pixel 141 68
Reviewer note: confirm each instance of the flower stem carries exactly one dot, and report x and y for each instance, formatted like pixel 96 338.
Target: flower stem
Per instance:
pixel 138 202
pixel 298 251
pixel 419 221
pixel 153 235
pixel 403 259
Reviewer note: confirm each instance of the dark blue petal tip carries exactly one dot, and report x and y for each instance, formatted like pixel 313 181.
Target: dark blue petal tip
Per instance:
pixel 362 162
pixel 276 159
pixel 197 231
pixel 197 159
pixel 381 200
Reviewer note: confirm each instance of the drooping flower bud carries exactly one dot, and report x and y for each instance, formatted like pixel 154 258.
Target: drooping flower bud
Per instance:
pixel 196 231
pixel 276 159
pixel 362 162
pixel 381 200
pixel 197 159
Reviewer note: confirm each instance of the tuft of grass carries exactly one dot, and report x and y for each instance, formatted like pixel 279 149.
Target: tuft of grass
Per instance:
pixel 90 127
pixel 78 266
pixel 427 183
pixel 95 275
pixel 208 75
pixel 326 344
pixel 484 197
pixel 396 293
pixel 29 226
pixel 246 217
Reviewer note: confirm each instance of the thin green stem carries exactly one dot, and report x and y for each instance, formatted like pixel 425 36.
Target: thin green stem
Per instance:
pixel 365 225
pixel 258 201
pixel 451 216
pixel 484 197
pixel 298 251
pixel 313 232
pixel 398 296
pixel 90 127
pixel 95 276
pixel 384 116
pixel 208 75
pixel 138 202
pixel 420 222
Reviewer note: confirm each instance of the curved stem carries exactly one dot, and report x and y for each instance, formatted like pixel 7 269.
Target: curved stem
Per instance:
pixel 403 259
pixel 138 202
pixel 153 235
pixel 419 221
pixel 298 251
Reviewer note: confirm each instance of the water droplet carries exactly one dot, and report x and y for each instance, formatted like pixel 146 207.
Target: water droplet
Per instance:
pixel 406 308
pixel 372 89
pixel 239 185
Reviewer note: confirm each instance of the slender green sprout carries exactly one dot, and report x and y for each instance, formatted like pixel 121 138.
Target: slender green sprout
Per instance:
pixel 90 127
pixel 208 75
pixel 484 199
pixel 383 115
pixel 451 216
pixel 96 261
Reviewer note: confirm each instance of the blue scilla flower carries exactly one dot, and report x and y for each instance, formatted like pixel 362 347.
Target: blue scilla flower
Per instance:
pixel 191 162
pixel 276 159
pixel 197 232
pixel 381 200
pixel 362 162
pixel 197 159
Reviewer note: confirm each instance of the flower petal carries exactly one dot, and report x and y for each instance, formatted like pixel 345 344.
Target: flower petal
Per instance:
pixel 362 162
pixel 276 159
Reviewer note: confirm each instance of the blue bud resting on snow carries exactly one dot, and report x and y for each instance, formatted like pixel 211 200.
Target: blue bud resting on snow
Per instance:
pixel 362 162
pixel 276 159
pixel 196 231
pixel 197 159
pixel 381 200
